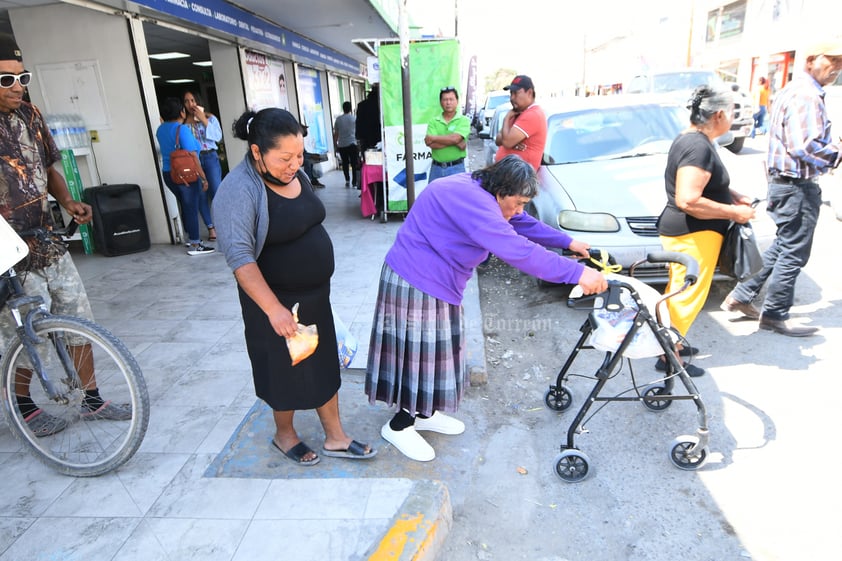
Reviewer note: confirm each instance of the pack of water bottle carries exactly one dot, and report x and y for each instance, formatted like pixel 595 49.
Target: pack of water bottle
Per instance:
pixel 68 131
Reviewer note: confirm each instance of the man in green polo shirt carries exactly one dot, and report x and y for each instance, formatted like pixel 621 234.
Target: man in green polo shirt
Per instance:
pixel 447 136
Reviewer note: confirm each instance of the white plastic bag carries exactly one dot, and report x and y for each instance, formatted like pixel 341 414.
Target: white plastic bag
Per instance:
pixel 613 326
pixel 345 341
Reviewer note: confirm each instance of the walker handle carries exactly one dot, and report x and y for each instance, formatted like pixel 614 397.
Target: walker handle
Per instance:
pixel 692 274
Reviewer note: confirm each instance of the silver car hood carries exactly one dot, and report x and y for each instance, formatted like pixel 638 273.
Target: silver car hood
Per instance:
pixel 638 185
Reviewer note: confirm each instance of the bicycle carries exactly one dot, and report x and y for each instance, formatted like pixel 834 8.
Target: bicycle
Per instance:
pixel 51 354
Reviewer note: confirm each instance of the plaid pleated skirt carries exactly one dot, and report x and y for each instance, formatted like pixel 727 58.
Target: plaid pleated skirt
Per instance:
pixel 416 357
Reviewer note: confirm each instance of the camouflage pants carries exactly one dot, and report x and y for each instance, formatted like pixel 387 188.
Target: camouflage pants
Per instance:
pixel 61 288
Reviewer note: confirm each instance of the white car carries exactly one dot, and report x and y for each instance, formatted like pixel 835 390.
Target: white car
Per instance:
pixel 602 175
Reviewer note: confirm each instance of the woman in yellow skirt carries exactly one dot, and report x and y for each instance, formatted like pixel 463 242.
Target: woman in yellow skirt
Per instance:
pixel 700 205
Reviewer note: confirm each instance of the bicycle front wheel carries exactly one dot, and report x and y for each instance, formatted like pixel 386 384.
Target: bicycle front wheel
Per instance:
pixel 67 433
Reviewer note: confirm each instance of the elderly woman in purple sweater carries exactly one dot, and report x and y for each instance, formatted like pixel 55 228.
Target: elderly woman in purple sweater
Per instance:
pixel 416 360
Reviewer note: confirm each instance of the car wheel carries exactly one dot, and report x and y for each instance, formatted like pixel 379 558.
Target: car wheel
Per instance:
pixel 737 145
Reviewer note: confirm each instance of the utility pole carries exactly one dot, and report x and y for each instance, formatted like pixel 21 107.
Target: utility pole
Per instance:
pixel 688 62
pixel 403 32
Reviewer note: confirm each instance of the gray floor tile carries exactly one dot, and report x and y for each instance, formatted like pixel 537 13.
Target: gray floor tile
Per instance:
pixel 146 476
pixel 303 540
pixel 187 539
pixel 105 496
pixel 12 528
pixel 314 499
pixel 91 539
pixel 192 496
pixel 29 487
pixel 178 429
pixel 219 388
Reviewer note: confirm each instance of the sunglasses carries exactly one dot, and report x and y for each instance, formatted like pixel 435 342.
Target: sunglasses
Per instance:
pixel 8 80
pixel 448 89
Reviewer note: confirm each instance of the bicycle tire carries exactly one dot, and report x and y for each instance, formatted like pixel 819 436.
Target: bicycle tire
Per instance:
pixel 88 446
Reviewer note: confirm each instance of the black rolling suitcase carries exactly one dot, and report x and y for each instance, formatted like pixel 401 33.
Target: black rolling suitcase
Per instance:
pixel 119 222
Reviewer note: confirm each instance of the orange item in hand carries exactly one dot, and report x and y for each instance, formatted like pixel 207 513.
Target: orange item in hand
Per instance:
pixel 304 342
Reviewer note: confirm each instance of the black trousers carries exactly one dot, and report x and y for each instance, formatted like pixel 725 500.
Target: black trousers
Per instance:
pixel 350 159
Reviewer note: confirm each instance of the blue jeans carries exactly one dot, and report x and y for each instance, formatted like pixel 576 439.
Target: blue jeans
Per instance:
pixel 795 210
pixel 188 203
pixel 439 171
pixel 759 117
pixel 213 171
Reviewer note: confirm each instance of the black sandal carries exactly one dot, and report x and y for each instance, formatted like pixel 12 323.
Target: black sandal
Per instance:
pixel 297 453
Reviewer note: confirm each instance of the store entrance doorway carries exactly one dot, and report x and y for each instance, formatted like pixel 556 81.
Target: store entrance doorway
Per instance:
pixel 182 69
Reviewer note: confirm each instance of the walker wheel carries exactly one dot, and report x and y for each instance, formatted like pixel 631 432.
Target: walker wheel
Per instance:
pixel 571 466
pixel 686 454
pixel 650 397
pixel 558 399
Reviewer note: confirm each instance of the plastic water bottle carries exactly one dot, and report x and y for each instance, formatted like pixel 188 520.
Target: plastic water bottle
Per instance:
pixel 80 133
pixel 60 135
pixel 72 131
pixel 66 131
pixel 51 124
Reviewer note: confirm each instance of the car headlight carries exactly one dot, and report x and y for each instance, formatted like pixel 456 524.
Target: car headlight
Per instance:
pixel 588 221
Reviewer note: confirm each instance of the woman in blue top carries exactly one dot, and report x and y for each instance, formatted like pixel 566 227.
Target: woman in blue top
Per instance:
pixel 187 195
pixel 208 132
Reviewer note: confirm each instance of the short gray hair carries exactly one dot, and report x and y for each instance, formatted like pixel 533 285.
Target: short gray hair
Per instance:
pixel 706 101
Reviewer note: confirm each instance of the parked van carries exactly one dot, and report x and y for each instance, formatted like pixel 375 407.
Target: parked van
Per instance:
pixel 482 118
pixel 683 82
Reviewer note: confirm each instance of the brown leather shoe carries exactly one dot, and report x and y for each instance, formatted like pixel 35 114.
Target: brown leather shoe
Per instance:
pixel 784 328
pixel 731 304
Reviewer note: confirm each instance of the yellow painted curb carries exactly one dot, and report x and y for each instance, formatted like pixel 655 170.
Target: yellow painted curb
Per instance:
pixel 419 528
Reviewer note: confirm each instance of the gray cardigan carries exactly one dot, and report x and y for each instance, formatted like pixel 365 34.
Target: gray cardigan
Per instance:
pixel 241 214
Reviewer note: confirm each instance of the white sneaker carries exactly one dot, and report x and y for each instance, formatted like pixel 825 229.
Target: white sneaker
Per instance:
pixel 409 443
pixel 441 423
pixel 199 249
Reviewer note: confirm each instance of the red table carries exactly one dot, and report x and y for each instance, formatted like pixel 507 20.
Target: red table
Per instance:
pixel 370 174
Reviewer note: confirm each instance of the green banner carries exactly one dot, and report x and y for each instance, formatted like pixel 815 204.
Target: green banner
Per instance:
pixel 74 185
pixel 433 65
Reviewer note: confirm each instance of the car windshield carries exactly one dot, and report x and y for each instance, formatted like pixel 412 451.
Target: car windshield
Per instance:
pixel 493 102
pixel 675 81
pixel 606 133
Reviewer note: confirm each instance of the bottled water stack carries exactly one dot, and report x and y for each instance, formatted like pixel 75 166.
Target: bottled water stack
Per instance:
pixel 68 131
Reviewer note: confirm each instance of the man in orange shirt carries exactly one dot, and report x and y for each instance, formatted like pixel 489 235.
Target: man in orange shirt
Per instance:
pixel 761 100
pixel 524 130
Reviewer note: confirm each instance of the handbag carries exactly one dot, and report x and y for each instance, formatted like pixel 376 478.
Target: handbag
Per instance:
pixel 183 165
pixel 740 257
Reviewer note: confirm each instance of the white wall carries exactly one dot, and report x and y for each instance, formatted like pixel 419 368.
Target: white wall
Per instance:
pixel 231 97
pixel 125 153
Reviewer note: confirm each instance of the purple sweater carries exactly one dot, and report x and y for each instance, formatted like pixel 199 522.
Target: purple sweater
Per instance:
pixel 454 225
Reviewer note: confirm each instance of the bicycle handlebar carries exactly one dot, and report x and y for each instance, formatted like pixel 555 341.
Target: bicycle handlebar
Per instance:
pixel 43 233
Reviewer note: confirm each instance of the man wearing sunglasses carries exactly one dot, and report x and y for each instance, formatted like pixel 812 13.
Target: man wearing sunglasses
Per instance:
pixel 27 174
pixel 447 136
